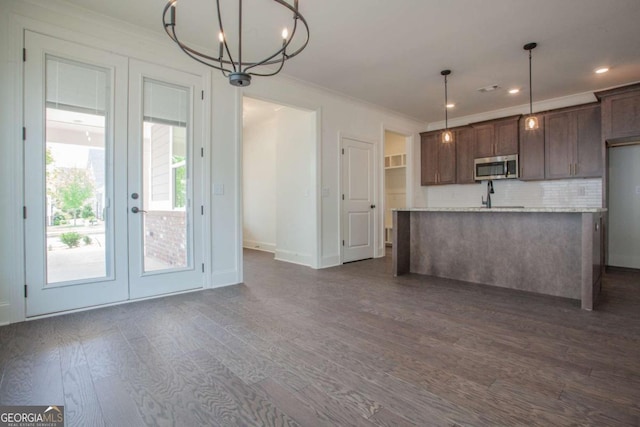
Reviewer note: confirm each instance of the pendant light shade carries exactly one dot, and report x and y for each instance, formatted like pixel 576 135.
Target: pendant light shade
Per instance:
pixel 447 135
pixel 531 122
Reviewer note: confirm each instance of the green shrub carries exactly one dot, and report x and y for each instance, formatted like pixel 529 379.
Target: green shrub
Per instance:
pixel 87 212
pixel 58 218
pixel 71 239
pixel 86 240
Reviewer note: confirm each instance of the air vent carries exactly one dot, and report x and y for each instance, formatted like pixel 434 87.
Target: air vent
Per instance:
pixel 489 88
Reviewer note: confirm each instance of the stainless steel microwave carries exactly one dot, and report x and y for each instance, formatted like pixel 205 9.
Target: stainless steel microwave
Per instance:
pixel 500 167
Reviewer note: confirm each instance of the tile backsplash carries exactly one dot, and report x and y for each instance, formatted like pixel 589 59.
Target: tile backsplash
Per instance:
pixel 574 193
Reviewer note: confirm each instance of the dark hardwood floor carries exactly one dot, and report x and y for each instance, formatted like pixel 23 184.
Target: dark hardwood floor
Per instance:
pixel 343 346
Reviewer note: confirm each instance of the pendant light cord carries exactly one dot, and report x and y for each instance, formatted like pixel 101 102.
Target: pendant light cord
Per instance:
pixel 530 88
pixel 446 112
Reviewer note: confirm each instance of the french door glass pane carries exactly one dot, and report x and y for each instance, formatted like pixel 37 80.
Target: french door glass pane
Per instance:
pixel 165 177
pixel 76 171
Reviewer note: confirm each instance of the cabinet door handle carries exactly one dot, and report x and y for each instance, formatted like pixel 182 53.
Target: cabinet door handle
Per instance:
pixel 570 169
pixel 575 169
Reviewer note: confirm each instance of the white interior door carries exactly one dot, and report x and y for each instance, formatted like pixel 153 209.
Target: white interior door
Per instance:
pixel 624 207
pixel 165 185
pixel 358 207
pixel 75 121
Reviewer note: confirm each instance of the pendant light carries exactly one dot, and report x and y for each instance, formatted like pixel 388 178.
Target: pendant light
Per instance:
pixel 447 135
pixel 531 122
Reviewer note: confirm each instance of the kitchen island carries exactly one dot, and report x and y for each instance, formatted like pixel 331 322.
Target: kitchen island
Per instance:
pixel 553 251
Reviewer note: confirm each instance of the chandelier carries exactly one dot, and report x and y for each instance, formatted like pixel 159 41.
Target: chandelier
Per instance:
pixel 234 66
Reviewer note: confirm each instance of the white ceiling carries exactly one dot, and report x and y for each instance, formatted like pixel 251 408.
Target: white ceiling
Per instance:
pixel 390 53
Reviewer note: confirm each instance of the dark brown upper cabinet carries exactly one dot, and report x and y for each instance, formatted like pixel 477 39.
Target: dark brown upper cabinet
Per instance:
pixel 496 137
pixel 531 157
pixel 437 159
pixel 620 113
pixel 465 152
pixel 573 142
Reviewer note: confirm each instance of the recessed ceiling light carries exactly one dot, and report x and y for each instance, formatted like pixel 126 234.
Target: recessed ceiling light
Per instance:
pixel 450 105
pixel 602 70
pixel 514 91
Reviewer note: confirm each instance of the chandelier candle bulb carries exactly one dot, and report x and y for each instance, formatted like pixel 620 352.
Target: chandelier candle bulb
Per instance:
pixel 285 33
pixel 172 17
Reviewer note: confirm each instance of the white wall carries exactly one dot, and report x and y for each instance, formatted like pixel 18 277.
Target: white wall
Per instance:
pixel 278 181
pixel 259 185
pixel 394 143
pixel 295 170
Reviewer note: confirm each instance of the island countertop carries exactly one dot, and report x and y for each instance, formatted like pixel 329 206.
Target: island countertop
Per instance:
pixel 505 209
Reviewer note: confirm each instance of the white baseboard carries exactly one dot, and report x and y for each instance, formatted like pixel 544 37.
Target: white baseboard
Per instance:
pixel 259 246
pixel 293 257
pixel 5 313
pixel 330 261
pixel 223 278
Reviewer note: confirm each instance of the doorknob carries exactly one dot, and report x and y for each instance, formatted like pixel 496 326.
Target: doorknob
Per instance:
pixel 373 206
pixel 135 209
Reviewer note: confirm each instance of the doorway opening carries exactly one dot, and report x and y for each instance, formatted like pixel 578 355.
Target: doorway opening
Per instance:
pixel 395 179
pixel 279 181
pixel 623 203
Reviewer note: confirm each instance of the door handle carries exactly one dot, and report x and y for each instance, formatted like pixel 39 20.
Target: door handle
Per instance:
pixel 373 206
pixel 135 209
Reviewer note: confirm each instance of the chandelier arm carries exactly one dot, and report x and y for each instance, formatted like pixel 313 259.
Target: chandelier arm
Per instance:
pixel 224 38
pixel 273 73
pixel 269 60
pixel 194 54
pixel 297 16
pixel 197 55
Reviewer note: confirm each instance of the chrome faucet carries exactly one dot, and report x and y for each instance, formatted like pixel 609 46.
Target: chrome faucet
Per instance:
pixel 490 191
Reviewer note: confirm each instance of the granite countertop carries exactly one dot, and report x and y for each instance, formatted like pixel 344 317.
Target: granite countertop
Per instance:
pixel 505 209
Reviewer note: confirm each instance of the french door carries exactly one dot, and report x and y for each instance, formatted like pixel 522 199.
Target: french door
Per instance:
pixel 110 177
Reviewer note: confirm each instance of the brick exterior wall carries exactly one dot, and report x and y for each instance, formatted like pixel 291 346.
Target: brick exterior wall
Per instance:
pixel 165 236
